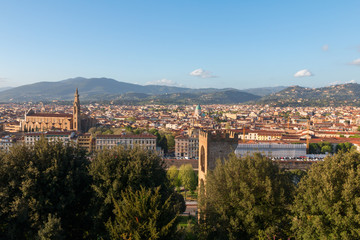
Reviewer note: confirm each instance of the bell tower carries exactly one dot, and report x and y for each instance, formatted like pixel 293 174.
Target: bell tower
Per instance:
pixel 76 112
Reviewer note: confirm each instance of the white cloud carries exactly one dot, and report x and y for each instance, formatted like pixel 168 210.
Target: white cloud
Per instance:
pixel 201 73
pixel 303 73
pixel 325 47
pixel 163 82
pixel 356 62
pixel 339 82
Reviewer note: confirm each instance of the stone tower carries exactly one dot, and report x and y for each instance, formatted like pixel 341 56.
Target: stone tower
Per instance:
pixel 214 145
pixel 76 112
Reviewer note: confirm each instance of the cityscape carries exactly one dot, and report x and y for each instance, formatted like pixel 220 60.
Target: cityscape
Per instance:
pixel 179 120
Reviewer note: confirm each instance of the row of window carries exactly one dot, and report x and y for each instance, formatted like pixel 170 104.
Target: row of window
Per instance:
pixel 104 142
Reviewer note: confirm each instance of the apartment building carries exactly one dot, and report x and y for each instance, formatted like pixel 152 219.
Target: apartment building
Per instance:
pixel 186 147
pixel 145 141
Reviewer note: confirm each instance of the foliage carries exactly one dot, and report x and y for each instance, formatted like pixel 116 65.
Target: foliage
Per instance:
pixel 165 140
pixel 188 177
pixel 170 139
pixel 320 148
pixel 355 136
pixel 296 175
pixel 327 204
pixel 52 229
pixel 44 191
pixel 246 198
pixel 143 214
pixel 345 147
pixel 118 169
pixel 173 175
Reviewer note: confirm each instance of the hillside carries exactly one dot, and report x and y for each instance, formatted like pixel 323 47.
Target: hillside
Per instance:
pixel 264 91
pixel 218 97
pixel 342 94
pixel 89 88
pixel 100 89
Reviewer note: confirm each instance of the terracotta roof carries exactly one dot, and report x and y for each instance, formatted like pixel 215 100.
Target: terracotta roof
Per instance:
pixel 50 115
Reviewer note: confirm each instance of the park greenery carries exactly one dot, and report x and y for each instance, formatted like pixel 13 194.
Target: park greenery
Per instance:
pixel 184 177
pixel 246 198
pixel 56 191
pixel 327 147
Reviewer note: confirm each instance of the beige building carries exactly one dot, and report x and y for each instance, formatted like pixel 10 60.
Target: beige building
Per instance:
pixel 86 141
pixel 186 147
pixel 65 137
pixel 40 122
pixel 144 141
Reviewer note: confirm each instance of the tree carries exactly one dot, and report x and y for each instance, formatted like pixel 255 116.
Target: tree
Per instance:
pixel 47 179
pixel 170 140
pixel 143 214
pixel 116 170
pixel 326 149
pixel 188 177
pixel 173 175
pixel 163 143
pixel 345 147
pixel 314 148
pixel 52 229
pixel 327 202
pixel 246 198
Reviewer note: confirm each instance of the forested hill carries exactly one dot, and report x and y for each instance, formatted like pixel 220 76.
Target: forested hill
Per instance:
pixel 98 89
pixel 335 95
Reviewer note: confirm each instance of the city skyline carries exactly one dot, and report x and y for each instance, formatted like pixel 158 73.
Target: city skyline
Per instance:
pixel 190 44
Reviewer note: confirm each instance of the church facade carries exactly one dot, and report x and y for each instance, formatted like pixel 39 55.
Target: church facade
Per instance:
pixel 40 122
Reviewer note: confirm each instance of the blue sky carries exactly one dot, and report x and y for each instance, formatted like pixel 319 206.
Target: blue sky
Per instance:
pixel 240 44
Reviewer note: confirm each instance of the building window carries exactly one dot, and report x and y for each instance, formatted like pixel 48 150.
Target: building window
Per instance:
pixel 202 159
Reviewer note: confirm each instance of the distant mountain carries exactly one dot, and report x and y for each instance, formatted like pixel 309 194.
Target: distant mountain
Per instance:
pixel 342 94
pixel 89 87
pixel 264 91
pixel 216 97
pixel 4 89
pixel 109 89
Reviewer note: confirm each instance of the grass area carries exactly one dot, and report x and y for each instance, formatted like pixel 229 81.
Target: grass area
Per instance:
pixel 190 196
pixel 185 221
pixel 186 227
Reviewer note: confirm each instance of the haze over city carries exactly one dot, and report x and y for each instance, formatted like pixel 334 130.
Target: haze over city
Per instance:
pixel 239 44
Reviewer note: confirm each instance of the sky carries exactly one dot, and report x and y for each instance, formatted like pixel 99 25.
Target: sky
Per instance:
pixel 188 43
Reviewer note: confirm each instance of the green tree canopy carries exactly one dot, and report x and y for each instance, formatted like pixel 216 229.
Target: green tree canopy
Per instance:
pixel 345 147
pixel 173 175
pixel 188 177
pixel 246 198
pixel 49 179
pixel 327 204
pixel 143 214
pixel 116 170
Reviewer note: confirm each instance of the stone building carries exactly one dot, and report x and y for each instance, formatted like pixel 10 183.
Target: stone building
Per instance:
pixel 40 122
pixel 186 147
pixel 214 145
pixel 65 137
pixel 145 141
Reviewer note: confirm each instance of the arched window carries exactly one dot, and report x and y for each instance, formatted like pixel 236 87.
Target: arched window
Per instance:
pixel 202 159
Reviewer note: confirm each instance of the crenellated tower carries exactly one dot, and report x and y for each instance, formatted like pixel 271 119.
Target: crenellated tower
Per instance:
pixel 76 112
